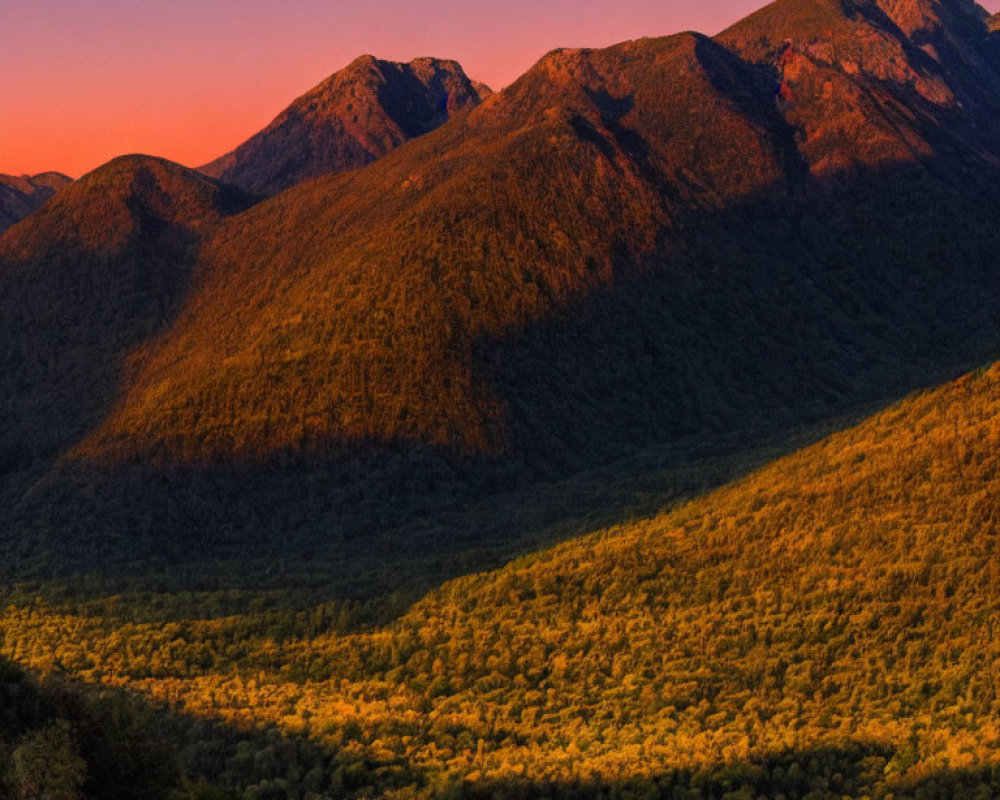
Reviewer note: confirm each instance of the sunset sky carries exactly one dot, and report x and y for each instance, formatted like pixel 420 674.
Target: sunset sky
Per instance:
pixel 86 80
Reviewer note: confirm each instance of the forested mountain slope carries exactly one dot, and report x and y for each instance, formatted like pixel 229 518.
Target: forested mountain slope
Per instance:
pixel 84 280
pixel 824 627
pixel 245 444
pixel 612 246
pixel 669 238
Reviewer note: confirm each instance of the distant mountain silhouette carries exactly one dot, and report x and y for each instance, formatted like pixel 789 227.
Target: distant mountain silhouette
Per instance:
pixel 352 118
pixel 21 195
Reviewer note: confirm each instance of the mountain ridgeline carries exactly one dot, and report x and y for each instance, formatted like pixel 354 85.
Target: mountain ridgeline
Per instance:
pixel 349 120
pixel 669 238
pixel 21 195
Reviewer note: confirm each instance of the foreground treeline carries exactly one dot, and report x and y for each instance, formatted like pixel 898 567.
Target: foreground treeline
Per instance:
pixel 65 741
pixel 60 741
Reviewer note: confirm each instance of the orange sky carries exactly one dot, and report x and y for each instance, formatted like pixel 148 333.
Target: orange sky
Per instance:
pixel 86 80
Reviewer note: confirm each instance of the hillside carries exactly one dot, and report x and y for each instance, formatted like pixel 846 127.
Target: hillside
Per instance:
pixel 824 627
pixel 369 290
pixel 354 117
pixel 877 83
pixel 85 279
pixel 21 195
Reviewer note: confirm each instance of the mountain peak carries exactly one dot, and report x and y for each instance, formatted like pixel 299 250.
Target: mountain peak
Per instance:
pixel 364 60
pixel 85 278
pixel 915 16
pixel 839 66
pixel 350 119
pixel 101 212
pixel 815 21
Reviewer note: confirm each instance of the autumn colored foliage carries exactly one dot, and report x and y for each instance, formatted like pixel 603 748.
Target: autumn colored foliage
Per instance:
pixel 557 453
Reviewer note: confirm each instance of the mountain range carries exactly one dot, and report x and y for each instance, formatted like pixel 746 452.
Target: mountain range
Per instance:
pixel 667 238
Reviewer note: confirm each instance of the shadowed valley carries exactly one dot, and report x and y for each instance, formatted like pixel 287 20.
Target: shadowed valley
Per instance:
pixel 823 627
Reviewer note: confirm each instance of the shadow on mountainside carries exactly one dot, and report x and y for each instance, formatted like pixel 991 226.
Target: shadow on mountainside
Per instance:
pixel 112 744
pixel 803 304
pixel 731 342
pixel 65 738
pixel 282 539
pixel 853 770
pixel 787 308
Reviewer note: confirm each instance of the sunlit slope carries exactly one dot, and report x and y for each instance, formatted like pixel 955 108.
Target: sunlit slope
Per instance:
pixel 880 82
pixel 873 551
pixel 844 597
pixel 847 592
pixel 624 246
